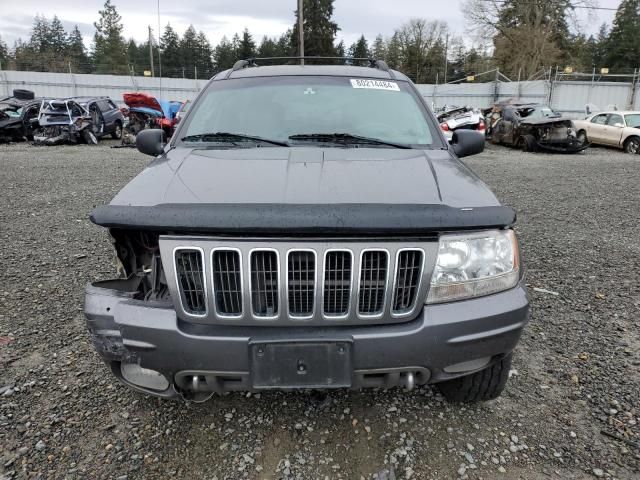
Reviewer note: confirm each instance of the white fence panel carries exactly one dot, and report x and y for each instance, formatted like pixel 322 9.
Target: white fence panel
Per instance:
pixel 61 85
pixel 572 97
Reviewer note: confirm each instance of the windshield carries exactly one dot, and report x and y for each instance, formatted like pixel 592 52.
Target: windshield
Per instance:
pixel 278 108
pixel 633 120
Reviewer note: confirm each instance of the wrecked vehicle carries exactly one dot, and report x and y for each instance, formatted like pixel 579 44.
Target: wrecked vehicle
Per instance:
pixel 532 128
pixel 106 116
pixel 309 227
pixel 146 111
pixel 460 118
pixel 64 121
pixel 18 116
pixel 612 129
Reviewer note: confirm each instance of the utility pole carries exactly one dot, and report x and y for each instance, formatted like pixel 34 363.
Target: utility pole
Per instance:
pixel 151 50
pixel 301 29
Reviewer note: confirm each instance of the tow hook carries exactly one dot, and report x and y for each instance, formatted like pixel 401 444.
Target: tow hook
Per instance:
pixel 409 382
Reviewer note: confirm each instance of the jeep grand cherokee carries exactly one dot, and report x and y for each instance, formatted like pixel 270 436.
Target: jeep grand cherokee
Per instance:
pixel 309 227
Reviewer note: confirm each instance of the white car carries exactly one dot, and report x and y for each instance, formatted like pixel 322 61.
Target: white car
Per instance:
pixel 613 129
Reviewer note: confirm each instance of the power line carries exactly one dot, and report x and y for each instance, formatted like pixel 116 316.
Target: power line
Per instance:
pixel 584 7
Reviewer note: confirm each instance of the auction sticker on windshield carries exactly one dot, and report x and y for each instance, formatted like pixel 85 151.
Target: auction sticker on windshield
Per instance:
pixel 375 84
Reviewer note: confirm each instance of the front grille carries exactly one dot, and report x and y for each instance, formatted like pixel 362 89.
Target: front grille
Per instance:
pixel 337 283
pixel 297 282
pixel 302 283
pixel 373 282
pixel 408 271
pixel 190 277
pixel 264 283
pixel 227 282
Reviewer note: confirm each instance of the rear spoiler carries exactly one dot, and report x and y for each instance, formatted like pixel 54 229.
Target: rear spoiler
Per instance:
pixel 317 219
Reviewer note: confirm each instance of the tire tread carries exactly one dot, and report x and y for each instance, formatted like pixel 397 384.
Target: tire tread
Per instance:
pixel 486 384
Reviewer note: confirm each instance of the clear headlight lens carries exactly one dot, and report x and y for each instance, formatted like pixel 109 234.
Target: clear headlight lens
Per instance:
pixel 476 264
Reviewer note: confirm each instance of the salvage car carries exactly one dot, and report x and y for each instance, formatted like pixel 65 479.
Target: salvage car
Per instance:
pixel 309 227
pixel 460 118
pixel 146 111
pixel 106 116
pixel 18 116
pixel 64 121
pixel 611 129
pixel 532 127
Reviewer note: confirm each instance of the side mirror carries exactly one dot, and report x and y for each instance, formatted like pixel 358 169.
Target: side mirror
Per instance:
pixel 619 125
pixel 150 142
pixel 467 142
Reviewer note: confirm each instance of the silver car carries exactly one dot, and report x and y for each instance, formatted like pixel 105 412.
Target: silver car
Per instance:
pixel 612 129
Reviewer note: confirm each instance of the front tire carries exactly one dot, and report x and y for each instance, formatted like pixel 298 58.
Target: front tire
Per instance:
pixel 117 133
pixel 529 143
pixel 481 386
pixel 89 137
pixel 582 137
pixel 632 145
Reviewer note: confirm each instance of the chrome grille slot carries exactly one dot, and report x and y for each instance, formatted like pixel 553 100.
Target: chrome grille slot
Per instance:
pixel 407 281
pixel 191 282
pixel 337 283
pixel 301 285
pixel 264 283
pixel 311 282
pixel 373 282
pixel 227 282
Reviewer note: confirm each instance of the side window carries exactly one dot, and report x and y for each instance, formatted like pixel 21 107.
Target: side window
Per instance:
pixel 104 105
pixel 613 119
pixel 112 106
pixel 599 119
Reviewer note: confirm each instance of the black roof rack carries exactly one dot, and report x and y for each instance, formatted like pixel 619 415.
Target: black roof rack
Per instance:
pixel 252 62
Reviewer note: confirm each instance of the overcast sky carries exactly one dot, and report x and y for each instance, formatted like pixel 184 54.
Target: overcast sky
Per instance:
pixel 225 17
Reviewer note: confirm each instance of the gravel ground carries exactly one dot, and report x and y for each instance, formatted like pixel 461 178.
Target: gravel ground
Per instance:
pixel 576 372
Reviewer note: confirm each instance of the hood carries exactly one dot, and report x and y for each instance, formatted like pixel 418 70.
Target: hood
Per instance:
pixel 306 175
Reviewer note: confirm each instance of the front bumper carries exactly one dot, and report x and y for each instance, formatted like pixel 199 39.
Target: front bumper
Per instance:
pixel 444 341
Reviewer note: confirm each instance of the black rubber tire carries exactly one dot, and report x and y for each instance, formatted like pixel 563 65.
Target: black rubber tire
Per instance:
pixel 582 137
pixel 529 143
pixel 632 145
pixel 117 133
pixel 89 137
pixel 22 94
pixel 481 386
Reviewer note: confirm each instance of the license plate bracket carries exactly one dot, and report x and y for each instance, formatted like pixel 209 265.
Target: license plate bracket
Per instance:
pixel 302 364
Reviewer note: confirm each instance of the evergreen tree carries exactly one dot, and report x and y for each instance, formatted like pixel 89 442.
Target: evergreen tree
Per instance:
pixel 77 52
pixel 224 55
pixel 268 47
pixel 4 54
pixel 57 36
pixel 247 47
pixel 622 45
pixel 360 49
pixel 204 57
pixel 109 49
pixel 319 30
pixel 341 50
pixel 40 35
pixel 171 58
pixel 378 49
pixel 393 51
pixel 284 45
pixel 189 51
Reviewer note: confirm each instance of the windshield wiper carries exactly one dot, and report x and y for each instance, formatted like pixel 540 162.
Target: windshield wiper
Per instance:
pixel 345 138
pixel 226 136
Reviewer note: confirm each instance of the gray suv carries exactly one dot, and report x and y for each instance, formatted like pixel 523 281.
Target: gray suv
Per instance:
pixel 309 227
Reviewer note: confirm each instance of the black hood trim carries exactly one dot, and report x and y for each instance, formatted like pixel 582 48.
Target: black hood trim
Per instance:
pixel 285 219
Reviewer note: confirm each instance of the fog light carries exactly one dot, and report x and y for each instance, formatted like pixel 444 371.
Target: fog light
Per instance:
pixel 143 377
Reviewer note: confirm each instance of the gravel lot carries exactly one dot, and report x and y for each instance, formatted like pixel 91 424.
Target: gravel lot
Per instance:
pixel 576 372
